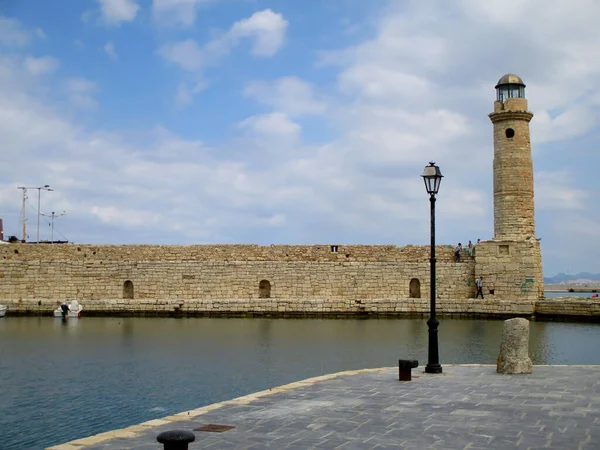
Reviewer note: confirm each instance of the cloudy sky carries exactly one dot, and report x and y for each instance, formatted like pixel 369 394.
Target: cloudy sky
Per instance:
pixel 301 122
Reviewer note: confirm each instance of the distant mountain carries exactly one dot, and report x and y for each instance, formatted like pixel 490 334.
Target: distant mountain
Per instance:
pixel 578 278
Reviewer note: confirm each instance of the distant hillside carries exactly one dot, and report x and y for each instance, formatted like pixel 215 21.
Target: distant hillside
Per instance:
pixel 578 278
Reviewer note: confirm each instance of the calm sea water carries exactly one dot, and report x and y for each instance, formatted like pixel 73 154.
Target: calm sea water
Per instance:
pixel 62 381
pixel 569 294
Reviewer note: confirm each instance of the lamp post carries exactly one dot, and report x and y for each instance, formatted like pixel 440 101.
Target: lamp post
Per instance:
pixel 432 178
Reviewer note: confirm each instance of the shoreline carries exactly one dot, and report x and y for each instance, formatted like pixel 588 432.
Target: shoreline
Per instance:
pixel 536 316
pixel 568 308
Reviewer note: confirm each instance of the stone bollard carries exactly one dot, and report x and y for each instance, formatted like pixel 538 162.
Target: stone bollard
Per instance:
pixel 514 349
pixel 176 439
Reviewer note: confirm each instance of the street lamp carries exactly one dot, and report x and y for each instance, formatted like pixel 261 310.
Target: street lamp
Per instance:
pixel 432 177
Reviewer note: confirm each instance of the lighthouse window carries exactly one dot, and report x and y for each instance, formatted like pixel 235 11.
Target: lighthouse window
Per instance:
pixel 510 133
pixel 128 290
pixel 264 289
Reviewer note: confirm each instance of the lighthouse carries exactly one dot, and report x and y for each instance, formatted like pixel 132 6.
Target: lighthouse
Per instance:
pixel 511 262
pixel 513 168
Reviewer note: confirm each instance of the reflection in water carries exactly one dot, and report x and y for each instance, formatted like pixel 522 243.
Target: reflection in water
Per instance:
pixel 114 372
pixel 127 332
pixel 539 345
pixel 264 343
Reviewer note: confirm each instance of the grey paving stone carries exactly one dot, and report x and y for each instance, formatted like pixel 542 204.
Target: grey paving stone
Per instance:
pixel 467 407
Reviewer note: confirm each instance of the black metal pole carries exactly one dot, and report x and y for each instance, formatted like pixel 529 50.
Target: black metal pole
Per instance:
pixel 433 362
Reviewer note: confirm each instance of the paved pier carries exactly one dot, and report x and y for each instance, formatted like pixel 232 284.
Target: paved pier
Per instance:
pixel 466 407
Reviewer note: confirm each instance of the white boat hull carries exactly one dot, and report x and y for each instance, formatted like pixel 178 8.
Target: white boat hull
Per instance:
pixel 75 310
pixel 3 310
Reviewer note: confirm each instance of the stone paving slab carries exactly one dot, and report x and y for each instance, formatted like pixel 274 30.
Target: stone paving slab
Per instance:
pixel 466 407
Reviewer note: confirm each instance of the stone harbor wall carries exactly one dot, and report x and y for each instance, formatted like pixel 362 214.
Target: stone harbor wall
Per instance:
pixel 281 279
pixel 583 308
pixel 512 269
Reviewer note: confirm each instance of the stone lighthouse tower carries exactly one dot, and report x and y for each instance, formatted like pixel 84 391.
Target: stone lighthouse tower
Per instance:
pixel 511 262
pixel 513 168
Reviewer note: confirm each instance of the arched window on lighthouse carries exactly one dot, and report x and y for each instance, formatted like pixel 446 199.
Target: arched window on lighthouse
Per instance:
pixel 264 289
pixel 128 290
pixel 414 288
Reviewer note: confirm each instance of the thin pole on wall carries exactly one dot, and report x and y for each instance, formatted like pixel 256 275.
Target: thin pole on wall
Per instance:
pixel 24 213
pixel 38 224
pixel 46 187
pixel 52 217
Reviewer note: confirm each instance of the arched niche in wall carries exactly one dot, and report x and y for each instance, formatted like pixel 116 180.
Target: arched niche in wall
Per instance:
pixel 264 289
pixel 128 290
pixel 414 288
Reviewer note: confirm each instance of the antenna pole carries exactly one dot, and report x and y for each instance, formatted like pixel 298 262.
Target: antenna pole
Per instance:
pixel 52 217
pixel 24 212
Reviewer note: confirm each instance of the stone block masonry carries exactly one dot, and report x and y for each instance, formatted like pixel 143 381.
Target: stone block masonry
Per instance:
pixel 249 279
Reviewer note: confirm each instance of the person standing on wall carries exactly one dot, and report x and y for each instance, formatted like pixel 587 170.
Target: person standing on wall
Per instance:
pixel 479 284
pixel 470 248
pixel 457 251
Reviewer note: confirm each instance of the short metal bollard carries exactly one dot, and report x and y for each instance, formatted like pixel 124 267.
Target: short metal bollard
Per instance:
pixel 176 439
pixel 405 365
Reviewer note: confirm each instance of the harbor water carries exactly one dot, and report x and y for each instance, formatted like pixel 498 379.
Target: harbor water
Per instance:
pixel 61 381
pixel 569 294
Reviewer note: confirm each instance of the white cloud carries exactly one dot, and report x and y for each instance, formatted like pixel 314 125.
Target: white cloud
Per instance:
pixel 291 95
pixel 186 54
pixel 266 28
pixel 116 11
pixel 269 124
pixel 572 122
pixel 381 83
pixel 554 190
pixel 109 49
pixel 80 92
pixel 98 175
pixel 183 96
pixel 129 217
pixel 176 12
pixel 40 66
pixel 12 33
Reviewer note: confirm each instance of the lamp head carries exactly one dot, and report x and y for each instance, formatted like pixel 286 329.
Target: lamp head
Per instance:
pixel 432 178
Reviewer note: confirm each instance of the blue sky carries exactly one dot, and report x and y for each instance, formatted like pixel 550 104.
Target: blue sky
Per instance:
pixel 301 122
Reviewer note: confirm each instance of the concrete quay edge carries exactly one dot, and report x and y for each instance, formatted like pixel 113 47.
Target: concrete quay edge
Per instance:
pixel 132 430
pixel 135 430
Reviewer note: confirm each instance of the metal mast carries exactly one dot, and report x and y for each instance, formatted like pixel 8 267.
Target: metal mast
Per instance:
pixel 24 239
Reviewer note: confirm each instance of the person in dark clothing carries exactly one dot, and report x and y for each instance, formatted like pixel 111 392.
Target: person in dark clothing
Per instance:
pixel 457 251
pixel 65 309
pixel 479 284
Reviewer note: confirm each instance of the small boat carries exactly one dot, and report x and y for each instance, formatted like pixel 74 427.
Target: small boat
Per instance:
pixel 74 309
pixel 3 309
